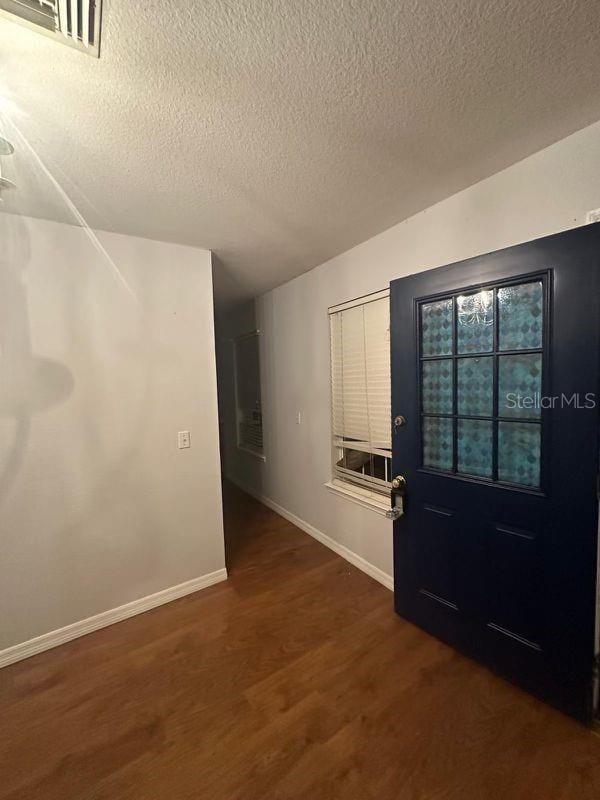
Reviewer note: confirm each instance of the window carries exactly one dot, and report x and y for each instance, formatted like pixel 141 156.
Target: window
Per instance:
pixel 481 362
pixel 360 394
pixel 246 364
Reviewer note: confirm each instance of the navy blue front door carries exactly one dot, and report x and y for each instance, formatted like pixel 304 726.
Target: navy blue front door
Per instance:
pixel 496 372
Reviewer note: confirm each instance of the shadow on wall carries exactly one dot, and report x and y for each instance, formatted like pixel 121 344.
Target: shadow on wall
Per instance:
pixel 29 384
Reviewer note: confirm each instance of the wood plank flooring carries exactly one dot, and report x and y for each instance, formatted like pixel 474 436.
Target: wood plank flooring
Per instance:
pixel 294 679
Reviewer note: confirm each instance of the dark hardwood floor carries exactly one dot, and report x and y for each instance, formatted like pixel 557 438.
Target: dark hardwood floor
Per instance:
pixel 294 679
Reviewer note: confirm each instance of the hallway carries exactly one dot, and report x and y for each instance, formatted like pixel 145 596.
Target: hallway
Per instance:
pixel 293 679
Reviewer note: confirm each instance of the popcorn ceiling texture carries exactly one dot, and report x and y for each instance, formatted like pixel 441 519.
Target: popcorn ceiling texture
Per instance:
pixel 279 133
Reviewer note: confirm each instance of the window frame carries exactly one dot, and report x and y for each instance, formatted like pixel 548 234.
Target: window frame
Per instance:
pixel 369 492
pixel 545 277
pixel 241 445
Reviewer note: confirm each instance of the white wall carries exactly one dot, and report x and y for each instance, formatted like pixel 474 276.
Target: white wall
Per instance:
pixel 98 507
pixel 546 193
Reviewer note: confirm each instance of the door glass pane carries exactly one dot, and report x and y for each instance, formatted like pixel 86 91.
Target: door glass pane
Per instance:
pixel 437 386
pixel 520 310
pixel 436 328
pixel 437 442
pixel 475 386
pixel 475 323
pixel 519 453
pixel 493 395
pixel 520 386
pixel 475 447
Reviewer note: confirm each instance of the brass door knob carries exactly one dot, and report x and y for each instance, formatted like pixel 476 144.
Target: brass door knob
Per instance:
pixel 399 484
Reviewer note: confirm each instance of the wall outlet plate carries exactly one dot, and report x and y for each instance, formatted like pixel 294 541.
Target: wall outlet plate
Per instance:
pixel 592 216
pixel 183 439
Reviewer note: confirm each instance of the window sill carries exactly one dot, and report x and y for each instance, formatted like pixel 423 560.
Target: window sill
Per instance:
pixel 260 456
pixel 360 496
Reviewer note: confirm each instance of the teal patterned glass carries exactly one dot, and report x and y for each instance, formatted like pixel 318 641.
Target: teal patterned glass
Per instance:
pixel 437 386
pixel 519 448
pixel 475 384
pixel 475 447
pixel 436 328
pixel 437 442
pixel 520 385
pixel 521 315
pixel 475 324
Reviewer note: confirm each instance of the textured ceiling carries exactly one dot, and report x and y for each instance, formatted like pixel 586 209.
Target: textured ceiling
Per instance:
pixel 281 132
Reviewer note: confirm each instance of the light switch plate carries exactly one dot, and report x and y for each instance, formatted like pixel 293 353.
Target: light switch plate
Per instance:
pixel 183 439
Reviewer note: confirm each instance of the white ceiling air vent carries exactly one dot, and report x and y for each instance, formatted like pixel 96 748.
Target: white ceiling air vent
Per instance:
pixel 74 22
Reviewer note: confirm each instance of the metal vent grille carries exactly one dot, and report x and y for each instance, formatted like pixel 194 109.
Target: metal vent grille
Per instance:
pixel 74 22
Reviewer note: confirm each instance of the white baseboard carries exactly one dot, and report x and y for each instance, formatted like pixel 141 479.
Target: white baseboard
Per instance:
pixel 358 561
pixel 54 638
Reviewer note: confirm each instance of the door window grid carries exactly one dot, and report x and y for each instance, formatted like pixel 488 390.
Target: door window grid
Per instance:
pixel 467 341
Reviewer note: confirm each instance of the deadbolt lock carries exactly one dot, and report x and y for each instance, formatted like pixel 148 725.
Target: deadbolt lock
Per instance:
pixel 399 421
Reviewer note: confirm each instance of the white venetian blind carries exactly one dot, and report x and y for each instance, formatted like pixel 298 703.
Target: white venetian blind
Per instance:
pixel 360 372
